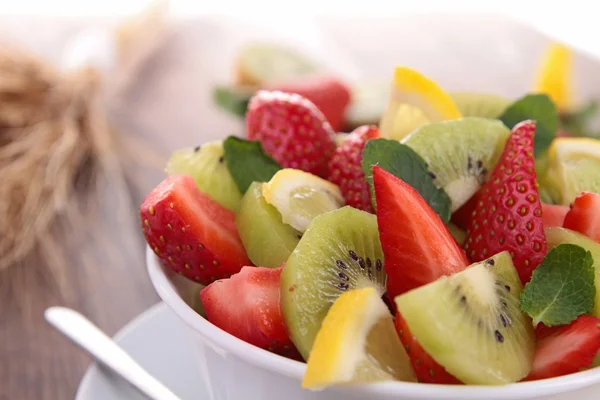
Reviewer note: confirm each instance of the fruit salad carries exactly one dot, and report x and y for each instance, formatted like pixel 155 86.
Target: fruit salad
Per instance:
pixel 454 241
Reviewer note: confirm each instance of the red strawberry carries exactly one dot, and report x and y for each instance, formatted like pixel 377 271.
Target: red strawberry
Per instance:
pixel 417 246
pixel 426 368
pixel 345 169
pixel 329 94
pixel 566 349
pixel 194 235
pixel 247 306
pixel 292 130
pixel 584 216
pixel 553 215
pixel 508 215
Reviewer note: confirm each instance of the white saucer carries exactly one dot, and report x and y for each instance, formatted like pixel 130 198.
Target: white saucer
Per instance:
pixel 156 340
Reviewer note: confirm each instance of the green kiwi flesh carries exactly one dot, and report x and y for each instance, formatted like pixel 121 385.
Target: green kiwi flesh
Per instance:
pixel 576 176
pixel 471 323
pixel 484 105
pixel 339 251
pixel 268 62
pixel 207 166
pixel 557 235
pixel 267 240
pixel 460 153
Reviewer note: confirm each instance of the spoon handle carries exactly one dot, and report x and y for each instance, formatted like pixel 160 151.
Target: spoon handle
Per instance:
pixel 90 338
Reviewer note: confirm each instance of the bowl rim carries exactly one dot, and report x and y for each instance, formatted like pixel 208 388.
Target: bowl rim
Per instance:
pixel 295 369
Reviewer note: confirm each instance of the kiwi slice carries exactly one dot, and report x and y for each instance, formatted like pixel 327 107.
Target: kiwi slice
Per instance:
pixel 339 251
pixel 556 236
pixel 471 323
pixel 267 240
pixel 258 63
pixel 207 166
pixel 460 153
pixel 484 105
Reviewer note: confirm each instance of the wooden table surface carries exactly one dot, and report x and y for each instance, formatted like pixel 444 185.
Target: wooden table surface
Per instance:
pixel 170 106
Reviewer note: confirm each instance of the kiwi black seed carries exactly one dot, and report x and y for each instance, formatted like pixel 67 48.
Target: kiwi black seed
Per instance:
pixel 471 323
pixel 339 251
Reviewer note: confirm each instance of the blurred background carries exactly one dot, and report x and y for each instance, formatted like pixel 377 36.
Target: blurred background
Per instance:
pixel 136 81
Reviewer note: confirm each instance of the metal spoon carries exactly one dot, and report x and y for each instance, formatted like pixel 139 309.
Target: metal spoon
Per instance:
pixel 91 339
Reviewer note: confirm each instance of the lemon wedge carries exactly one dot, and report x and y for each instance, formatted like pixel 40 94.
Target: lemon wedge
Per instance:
pixel 574 167
pixel 414 101
pixel 357 343
pixel 300 196
pixel 554 76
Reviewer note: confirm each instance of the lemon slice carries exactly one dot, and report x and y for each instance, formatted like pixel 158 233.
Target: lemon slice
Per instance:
pixel 414 101
pixel 300 196
pixel 554 76
pixel 357 343
pixel 574 167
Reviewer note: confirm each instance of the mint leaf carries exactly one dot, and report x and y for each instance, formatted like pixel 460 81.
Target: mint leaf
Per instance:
pixel 537 107
pixel 233 99
pixel 247 162
pixel 403 162
pixel 561 287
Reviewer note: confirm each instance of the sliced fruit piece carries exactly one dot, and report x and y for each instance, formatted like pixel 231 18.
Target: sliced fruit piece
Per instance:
pixel 339 251
pixel 554 77
pixel 508 215
pixel 460 153
pixel 414 100
pixel 485 105
pixel 300 196
pixel 357 344
pixel 458 234
pixel 207 166
pixel 553 215
pixel 556 236
pixel 292 130
pixel 369 100
pixel 247 307
pixel 191 233
pixel 328 93
pixel 340 137
pixel 574 167
pixel 345 168
pixel 471 323
pixel 568 349
pixel 584 215
pixel 267 240
pixel 258 63
pixel 425 367
pixel 462 217
pixel 418 247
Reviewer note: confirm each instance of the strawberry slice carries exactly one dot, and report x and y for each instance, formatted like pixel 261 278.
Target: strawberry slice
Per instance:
pixel 508 215
pixel 191 233
pixel 566 349
pixel 553 215
pixel 417 246
pixel 247 306
pixel 329 94
pixel 292 130
pixel 425 367
pixel 584 216
pixel 345 169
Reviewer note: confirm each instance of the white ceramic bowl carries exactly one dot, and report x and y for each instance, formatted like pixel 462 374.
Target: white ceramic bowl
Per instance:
pixel 236 370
